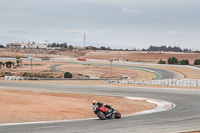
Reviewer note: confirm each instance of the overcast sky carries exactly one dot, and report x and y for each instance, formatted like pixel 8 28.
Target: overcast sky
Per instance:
pixel 115 23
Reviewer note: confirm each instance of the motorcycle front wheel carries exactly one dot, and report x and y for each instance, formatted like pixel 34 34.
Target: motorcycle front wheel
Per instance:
pixel 101 115
pixel 117 115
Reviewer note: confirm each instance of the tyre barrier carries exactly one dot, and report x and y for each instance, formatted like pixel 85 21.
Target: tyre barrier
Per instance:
pixel 13 78
pixel 164 82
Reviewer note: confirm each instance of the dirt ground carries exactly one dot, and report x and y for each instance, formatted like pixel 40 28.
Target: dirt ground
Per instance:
pixel 104 72
pixel 41 53
pixel 141 56
pixel 42 69
pixel 132 56
pixel 27 106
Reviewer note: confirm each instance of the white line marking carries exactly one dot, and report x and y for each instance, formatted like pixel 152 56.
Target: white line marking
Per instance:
pixel 161 105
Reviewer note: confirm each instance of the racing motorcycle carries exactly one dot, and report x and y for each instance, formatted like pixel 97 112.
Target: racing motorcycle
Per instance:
pixel 105 112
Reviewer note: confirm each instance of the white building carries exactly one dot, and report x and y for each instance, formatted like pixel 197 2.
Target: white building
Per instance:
pixel 25 46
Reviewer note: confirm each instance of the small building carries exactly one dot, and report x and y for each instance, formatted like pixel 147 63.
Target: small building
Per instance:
pixel 14 46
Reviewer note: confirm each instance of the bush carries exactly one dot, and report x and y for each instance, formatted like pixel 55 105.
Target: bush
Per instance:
pixel 197 62
pixel 162 62
pixel 172 60
pixel 8 64
pixel 67 75
pixel 184 62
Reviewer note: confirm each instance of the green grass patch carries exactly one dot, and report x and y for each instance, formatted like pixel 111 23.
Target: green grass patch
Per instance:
pixel 33 64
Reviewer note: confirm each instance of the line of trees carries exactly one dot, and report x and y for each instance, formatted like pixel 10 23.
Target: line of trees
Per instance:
pixel 164 48
pixel 61 45
pixel 1 46
pixel 175 61
pixel 9 64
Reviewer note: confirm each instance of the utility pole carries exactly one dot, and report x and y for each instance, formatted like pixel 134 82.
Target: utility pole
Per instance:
pixel 90 58
pixel 31 56
pixel 46 48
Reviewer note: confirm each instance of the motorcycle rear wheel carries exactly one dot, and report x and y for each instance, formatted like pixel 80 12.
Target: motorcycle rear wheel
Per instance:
pixel 101 115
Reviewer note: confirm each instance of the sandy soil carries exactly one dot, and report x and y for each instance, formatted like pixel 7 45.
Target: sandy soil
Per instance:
pixel 28 106
pixel 42 69
pixel 40 53
pixel 132 56
pixel 104 72
pixel 140 56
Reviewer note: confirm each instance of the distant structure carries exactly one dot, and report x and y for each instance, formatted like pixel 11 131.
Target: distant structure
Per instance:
pixel 25 46
pixel 118 59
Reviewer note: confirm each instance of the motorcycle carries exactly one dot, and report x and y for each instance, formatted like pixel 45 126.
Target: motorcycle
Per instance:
pixel 105 112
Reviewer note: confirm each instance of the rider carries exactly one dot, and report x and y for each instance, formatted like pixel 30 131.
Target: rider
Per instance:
pixel 99 104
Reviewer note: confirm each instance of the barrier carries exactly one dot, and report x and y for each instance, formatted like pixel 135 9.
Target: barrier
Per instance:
pixel 13 78
pixel 165 82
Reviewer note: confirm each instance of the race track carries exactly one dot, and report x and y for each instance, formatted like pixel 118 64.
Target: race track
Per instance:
pixel 185 117
pixel 161 73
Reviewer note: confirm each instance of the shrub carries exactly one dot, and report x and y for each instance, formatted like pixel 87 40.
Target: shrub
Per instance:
pixel 184 62
pixel 67 75
pixel 172 60
pixel 197 62
pixel 8 64
pixel 162 62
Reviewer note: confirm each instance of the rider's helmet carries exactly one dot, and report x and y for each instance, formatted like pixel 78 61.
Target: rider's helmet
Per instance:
pixel 94 102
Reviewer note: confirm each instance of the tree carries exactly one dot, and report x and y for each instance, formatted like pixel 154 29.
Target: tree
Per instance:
pixel 3 64
pixel 197 62
pixel 172 60
pixel 71 47
pixel 8 64
pixel 65 45
pixel 103 48
pixel 13 63
pixel 164 48
pixel 184 62
pixel 162 62
pixel 67 75
pixel 1 46
pixel 18 60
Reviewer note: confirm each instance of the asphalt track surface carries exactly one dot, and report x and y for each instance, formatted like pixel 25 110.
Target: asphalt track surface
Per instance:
pixel 184 117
